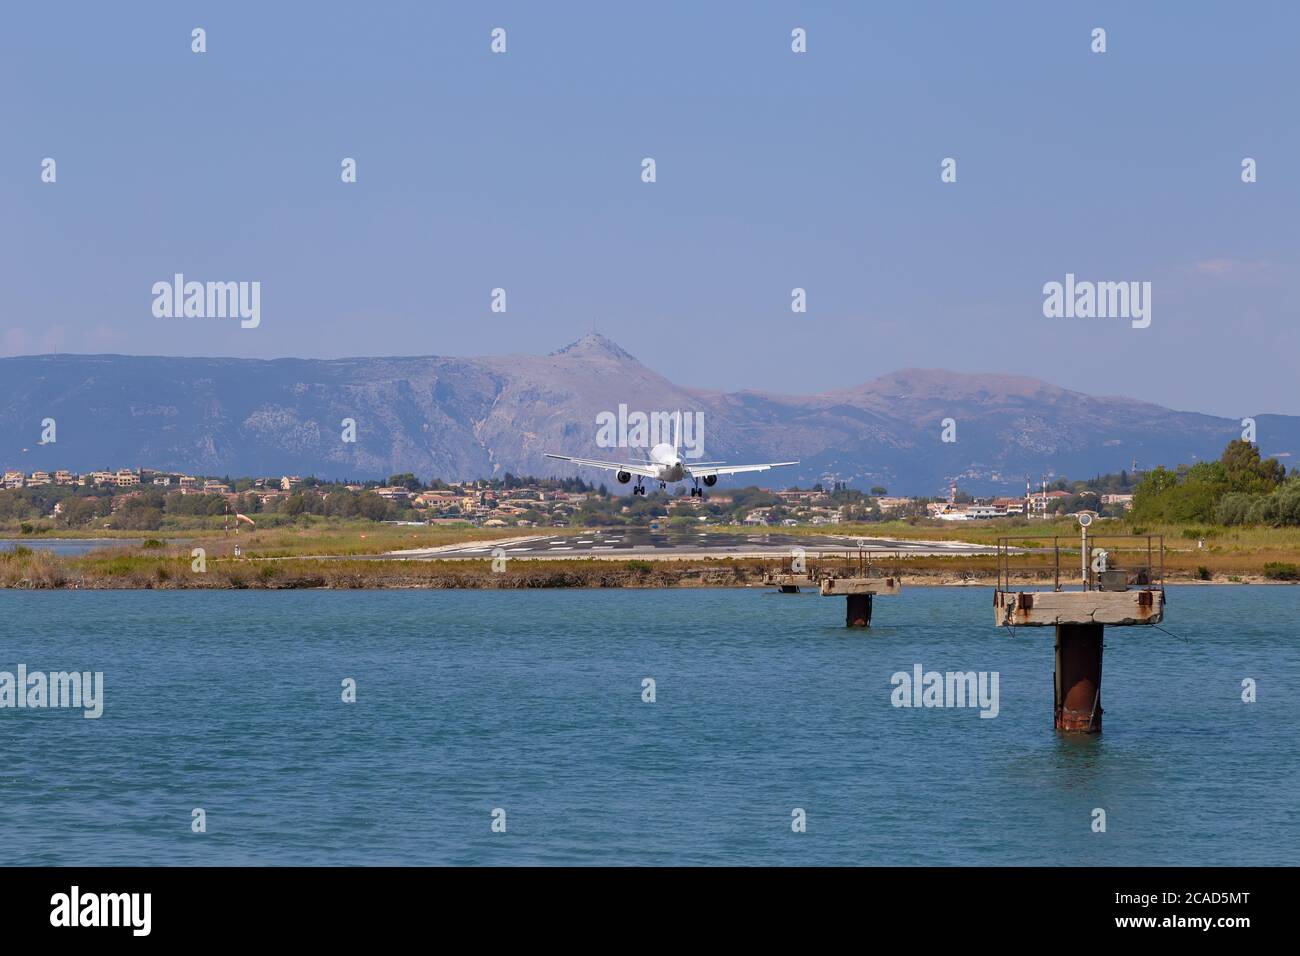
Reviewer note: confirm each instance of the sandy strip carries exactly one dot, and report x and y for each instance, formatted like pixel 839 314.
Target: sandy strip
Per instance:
pixel 665 554
pixel 500 543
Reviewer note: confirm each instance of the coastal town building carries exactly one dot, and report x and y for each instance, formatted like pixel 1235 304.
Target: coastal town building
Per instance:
pixel 543 503
pixel 888 503
pixel 1040 503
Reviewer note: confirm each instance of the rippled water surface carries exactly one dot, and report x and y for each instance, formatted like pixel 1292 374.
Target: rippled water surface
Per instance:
pixel 531 701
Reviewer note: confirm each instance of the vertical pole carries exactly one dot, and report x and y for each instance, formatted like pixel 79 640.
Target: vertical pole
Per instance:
pixel 1078 677
pixel 859 610
pixel 1083 548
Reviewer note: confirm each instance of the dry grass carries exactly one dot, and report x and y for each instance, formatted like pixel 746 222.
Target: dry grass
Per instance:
pixel 291 558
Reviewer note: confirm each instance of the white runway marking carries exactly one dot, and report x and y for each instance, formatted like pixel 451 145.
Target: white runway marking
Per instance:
pixel 519 549
pixel 560 549
pixel 603 547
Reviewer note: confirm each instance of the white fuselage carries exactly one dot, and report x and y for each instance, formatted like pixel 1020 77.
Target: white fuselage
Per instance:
pixel 667 463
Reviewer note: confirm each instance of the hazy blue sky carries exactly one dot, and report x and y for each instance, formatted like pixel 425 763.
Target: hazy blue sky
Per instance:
pixel 775 170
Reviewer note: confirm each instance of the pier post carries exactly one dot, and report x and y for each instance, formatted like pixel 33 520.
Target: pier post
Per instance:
pixel 859 610
pixel 859 594
pixel 1078 677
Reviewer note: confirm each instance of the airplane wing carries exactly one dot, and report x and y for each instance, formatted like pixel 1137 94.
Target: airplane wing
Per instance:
pixel 734 469
pixel 642 469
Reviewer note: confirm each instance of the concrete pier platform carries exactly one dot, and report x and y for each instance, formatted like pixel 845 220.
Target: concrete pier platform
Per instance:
pixel 1121 584
pixel 1080 619
pixel 834 587
pixel 859 593
pixel 1052 608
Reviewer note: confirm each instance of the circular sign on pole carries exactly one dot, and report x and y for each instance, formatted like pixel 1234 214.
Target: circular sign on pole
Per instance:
pixel 1085 519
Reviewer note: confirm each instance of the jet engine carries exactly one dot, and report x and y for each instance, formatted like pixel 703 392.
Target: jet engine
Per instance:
pixel 623 477
pixel 710 480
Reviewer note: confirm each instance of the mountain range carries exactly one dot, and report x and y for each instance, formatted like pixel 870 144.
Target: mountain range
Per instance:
pixel 457 418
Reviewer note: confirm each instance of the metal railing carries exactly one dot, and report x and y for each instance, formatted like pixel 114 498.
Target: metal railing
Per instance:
pixel 1091 563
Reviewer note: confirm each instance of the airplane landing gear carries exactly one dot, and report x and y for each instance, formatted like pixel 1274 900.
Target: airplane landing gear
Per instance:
pixel 697 491
pixel 638 488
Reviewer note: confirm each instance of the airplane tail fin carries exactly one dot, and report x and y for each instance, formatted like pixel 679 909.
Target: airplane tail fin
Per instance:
pixel 677 434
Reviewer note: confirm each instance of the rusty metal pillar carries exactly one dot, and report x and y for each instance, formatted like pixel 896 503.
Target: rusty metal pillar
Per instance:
pixel 859 614
pixel 1078 677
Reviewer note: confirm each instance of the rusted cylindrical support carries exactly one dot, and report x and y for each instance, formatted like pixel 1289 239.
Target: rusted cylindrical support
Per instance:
pixel 859 610
pixel 1078 677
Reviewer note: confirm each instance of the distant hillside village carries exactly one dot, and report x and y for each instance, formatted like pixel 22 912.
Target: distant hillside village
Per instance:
pixel 147 499
pixel 1238 489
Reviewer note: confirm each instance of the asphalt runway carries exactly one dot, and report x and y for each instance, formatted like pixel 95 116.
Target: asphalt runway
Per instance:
pixel 640 542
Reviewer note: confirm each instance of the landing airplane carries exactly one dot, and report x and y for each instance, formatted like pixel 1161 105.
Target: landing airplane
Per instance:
pixel 666 464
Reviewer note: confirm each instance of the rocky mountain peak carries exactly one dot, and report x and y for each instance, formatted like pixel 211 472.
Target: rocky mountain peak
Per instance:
pixel 595 345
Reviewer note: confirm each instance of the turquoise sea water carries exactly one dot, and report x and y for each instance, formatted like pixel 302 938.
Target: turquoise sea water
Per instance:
pixel 531 701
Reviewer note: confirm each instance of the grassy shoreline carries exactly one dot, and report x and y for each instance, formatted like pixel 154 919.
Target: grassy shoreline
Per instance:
pixel 346 556
pixel 126 569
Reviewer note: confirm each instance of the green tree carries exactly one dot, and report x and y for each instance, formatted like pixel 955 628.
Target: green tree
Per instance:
pixel 373 507
pixel 78 511
pixel 1246 472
